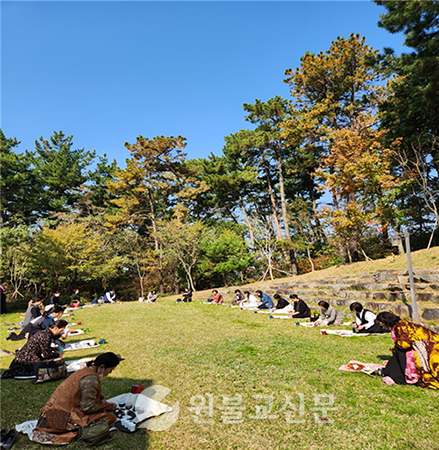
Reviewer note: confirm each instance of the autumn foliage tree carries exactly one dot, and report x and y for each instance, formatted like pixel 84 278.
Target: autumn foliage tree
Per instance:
pixel 335 95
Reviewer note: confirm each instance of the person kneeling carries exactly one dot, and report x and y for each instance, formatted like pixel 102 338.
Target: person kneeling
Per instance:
pixel 77 402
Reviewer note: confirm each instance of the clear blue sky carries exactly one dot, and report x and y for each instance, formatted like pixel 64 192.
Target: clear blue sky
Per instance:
pixel 107 72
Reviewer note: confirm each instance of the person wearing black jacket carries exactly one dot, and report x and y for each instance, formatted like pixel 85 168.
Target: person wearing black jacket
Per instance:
pixel 281 302
pixel 301 309
pixel 187 296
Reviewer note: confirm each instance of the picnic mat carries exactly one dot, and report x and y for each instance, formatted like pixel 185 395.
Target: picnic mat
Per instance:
pixel 344 333
pixel 358 366
pixel 76 364
pixel 217 304
pixel 145 408
pixel 81 345
pixel 75 332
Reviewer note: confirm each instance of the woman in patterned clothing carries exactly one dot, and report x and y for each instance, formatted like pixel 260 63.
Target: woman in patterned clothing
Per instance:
pixel 415 357
pixel 36 349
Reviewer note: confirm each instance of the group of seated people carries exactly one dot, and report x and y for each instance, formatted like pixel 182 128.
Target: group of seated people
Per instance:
pixel 77 401
pixel 41 322
pixel 365 320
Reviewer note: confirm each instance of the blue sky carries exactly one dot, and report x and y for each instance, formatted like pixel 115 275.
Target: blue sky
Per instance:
pixel 107 72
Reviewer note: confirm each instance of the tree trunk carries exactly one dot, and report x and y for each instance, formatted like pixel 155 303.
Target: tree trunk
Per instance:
pixel 247 221
pixel 310 259
pixel 293 262
pixel 191 282
pixel 273 205
pixel 224 279
pixel 282 194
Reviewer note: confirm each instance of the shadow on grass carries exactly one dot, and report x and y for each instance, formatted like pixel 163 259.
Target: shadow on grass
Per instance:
pixel 384 357
pixel 23 401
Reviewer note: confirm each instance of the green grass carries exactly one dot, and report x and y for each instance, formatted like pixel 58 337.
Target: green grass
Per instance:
pixel 197 349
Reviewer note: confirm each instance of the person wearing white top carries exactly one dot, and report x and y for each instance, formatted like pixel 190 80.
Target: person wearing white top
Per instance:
pixel 110 297
pixel 152 297
pixel 250 301
pixel 365 320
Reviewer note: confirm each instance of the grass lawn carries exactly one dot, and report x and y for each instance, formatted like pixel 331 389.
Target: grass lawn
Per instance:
pixel 196 350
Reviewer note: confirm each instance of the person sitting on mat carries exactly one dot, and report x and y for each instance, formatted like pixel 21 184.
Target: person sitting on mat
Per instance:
pixel 40 323
pixel 265 300
pixel 329 316
pixel 238 297
pixel 217 297
pixel 110 296
pixel 77 402
pixel 187 296
pixel 152 297
pixel 281 302
pixel 54 299
pixel 301 309
pixel 75 296
pixel 365 320
pixel 415 357
pixel 37 348
pixel 34 309
pixel 249 301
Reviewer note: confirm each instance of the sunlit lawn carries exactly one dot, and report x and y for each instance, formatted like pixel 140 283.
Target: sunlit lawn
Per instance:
pixel 196 349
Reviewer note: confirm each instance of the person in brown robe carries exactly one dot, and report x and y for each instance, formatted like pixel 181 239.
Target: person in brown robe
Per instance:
pixel 77 402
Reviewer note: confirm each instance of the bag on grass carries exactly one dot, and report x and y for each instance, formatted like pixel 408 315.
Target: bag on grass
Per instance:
pixel 50 369
pixel 75 304
pixel 96 433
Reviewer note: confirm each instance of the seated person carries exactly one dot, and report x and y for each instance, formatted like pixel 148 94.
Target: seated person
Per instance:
pixel 415 357
pixel 217 297
pixel 54 299
pixel 152 297
pixel 34 309
pixel 238 298
pixel 281 302
pixel 266 302
pixel 249 301
pixel 187 296
pixel 40 323
pixel 301 309
pixel 75 296
pixel 37 348
pixel 365 320
pixel 77 402
pixel 329 316
pixel 110 296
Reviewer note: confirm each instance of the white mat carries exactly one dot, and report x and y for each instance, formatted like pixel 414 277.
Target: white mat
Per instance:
pixel 217 304
pixel 145 406
pixel 75 332
pixel 81 345
pixel 344 333
pixel 77 364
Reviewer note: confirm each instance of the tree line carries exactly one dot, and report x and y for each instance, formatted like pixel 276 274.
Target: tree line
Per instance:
pixel 321 178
